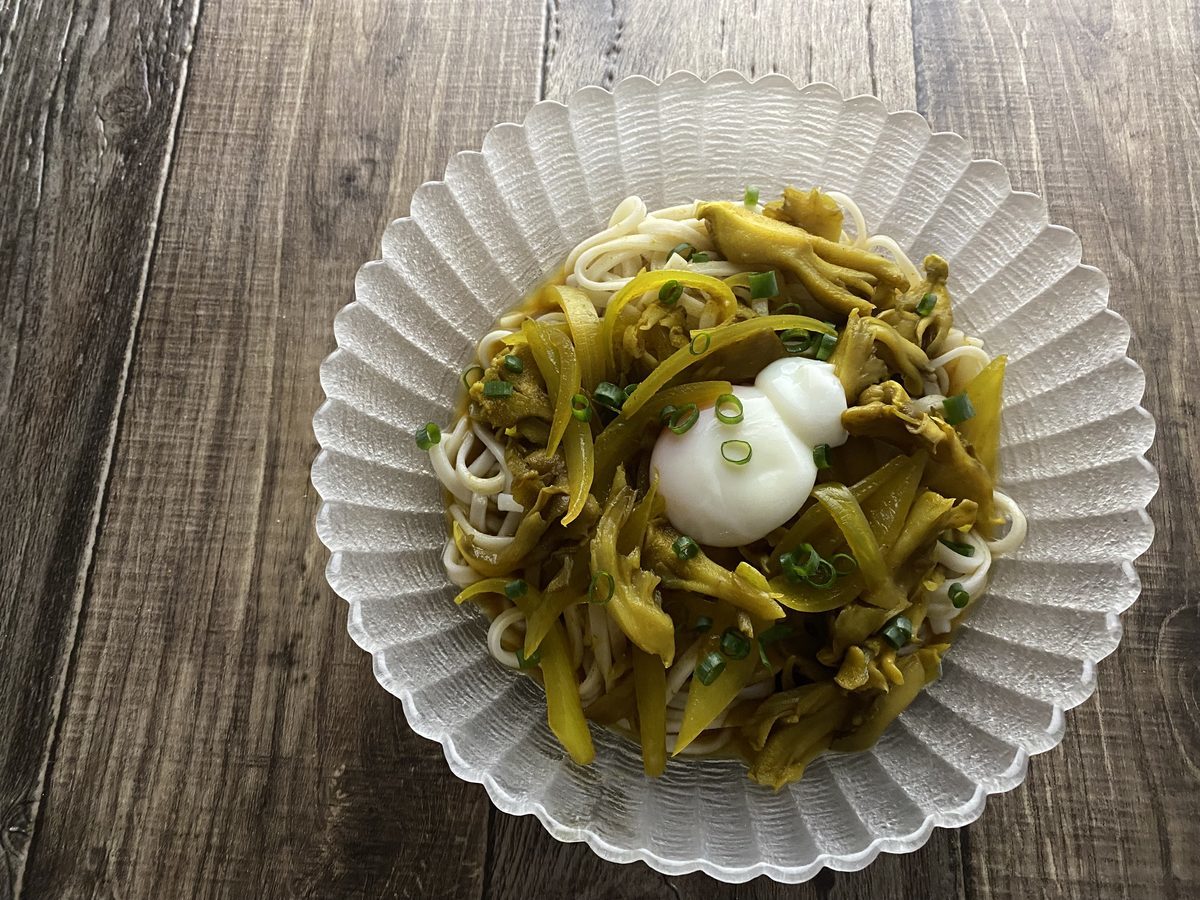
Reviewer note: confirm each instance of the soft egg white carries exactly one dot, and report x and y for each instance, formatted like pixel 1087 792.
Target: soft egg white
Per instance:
pixel 795 405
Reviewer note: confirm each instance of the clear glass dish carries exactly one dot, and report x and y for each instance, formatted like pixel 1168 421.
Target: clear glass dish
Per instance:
pixel 1072 456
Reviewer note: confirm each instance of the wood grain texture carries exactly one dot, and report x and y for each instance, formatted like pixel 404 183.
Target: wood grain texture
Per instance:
pixel 89 96
pixel 221 735
pixel 1096 106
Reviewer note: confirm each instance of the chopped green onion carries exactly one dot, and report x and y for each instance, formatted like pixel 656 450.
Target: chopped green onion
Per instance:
pixel 609 395
pixel 763 285
pixel 960 547
pixel 796 340
pixel 709 668
pixel 581 409
pixel 664 414
pixel 736 452
pixel 685 547
pixel 825 346
pixel 897 631
pixel 514 364
pixel 685 250
pixel 821 583
pixel 684 418
pixel 928 302
pixel 700 343
pixel 821 456
pixel 957 409
pixel 734 644
pixel 630 388
pixel 849 564
pixel 724 403
pixel 700 257
pixel 471 375
pixel 515 589
pixel 750 198
pixel 497 389
pixel 602 588
pixel 959 597
pixel 798 564
pixel 528 662
pixel 774 633
pixel 777 632
pixel 703 623
pixel 428 435
pixel 669 293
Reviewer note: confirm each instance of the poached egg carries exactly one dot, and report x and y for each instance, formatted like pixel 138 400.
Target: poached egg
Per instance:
pixel 794 405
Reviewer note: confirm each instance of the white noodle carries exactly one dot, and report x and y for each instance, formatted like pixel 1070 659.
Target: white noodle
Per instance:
pixel 499 625
pixel 1018 526
pixel 490 345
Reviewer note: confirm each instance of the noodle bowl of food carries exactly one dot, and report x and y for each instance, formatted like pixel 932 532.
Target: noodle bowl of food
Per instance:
pixel 712 514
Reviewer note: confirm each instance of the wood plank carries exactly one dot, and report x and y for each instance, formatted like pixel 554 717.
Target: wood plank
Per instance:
pixel 89 97
pixel 861 47
pixel 1095 105
pixel 221 735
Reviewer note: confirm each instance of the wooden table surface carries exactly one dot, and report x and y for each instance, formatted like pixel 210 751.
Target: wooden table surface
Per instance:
pixel 187 189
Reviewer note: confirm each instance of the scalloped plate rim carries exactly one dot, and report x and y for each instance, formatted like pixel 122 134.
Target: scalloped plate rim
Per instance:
pixel 955 817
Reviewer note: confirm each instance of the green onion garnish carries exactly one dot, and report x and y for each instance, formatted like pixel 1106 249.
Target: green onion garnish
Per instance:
pixel 928 302
pixel 709 668
pixel 700 343
pixel 957 409
pixel 514 364
pixel 528 662
pixel 776 632
pixel 684 418
pixel 471 375
pixel 750 198
pixel 497 389
pixel 602 588
pixel 820 581
pixel 763 285
pixel 685 250
pixel 581 409
pixel 826 345
pixel 669 293
pixel 428 435
pixel 959 597
pixel 630 388
pixel 515 589
pixel 960 547
pixel 796 340
pixel 685 547
pixel 798 564
pixel 821 456
pixel 664 414
pixel 703 623
pixel 734 644
pixel 729 409
pixel 843 563
pixel 700 256
pixel 736 452
pixel 609 395
pixel 897 631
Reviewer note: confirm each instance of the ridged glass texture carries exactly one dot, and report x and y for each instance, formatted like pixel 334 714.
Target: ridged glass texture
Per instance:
pixel 1073 445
